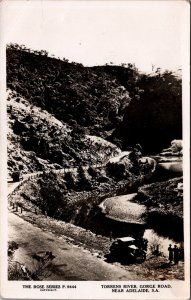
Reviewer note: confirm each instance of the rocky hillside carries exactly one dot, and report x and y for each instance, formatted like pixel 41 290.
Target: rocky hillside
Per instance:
pixel 117 103
pixel 38 141
pixel 94 98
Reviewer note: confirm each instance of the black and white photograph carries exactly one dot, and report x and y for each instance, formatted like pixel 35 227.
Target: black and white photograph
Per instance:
pixel 97 149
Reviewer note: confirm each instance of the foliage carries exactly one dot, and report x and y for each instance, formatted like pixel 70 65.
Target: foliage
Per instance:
pixel 38 141
pixel 52 200
pixel 70 180
pixel 156 119
pixel 166 223
pixel 163 195
pixel 134 156
pixel 101 100
pixel 116 170
pixel 83 182
pixel 91 97
pixel 92 171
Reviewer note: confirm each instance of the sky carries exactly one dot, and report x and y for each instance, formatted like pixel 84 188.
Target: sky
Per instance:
pixel 147 33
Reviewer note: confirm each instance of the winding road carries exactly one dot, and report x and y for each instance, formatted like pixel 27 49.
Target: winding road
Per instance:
pixel 71 262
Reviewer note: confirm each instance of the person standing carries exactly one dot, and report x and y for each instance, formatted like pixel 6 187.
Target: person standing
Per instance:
pixel 170 255
pixel 181 253
pixel 176 255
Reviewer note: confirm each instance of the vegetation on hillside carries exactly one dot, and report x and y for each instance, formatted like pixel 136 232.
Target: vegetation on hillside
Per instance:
pixel 37 141
pixel 163 195
pixel 73 196
pixel 90 97
pixel 63 115
pixel 156 118
pixel 164 201
pixel 140 108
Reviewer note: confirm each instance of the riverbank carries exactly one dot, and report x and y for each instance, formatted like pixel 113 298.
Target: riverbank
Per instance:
pixel 86 204
pixel 98 246
pixel 164 202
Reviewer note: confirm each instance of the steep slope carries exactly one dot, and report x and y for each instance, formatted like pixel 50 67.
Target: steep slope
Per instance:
pixel 156 118
pixel 91 97
pixel 38 141
pixel 117 103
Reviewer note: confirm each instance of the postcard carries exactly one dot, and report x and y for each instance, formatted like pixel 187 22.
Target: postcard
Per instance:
pixel 95 179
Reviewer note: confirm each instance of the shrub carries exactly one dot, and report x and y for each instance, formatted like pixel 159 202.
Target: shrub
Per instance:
pixel 70 181
pixel 83 182
pixel 92 171
pixel 116 170
pixel 52 200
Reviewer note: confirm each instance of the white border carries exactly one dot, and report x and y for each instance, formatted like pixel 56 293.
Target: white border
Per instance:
pixel 92 289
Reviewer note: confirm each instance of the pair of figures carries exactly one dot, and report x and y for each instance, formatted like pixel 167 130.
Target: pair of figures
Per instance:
pixel 173 254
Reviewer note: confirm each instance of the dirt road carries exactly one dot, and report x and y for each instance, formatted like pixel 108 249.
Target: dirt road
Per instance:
pixel 71 262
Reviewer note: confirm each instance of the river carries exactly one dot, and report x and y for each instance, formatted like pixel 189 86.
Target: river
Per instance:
pixel 123 210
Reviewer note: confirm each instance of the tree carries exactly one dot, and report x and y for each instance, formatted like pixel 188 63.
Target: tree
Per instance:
pixel 92 171
pixel 52 198
pixel 83 182
pixel 70 182
pixel 116 170
pixel 134 156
